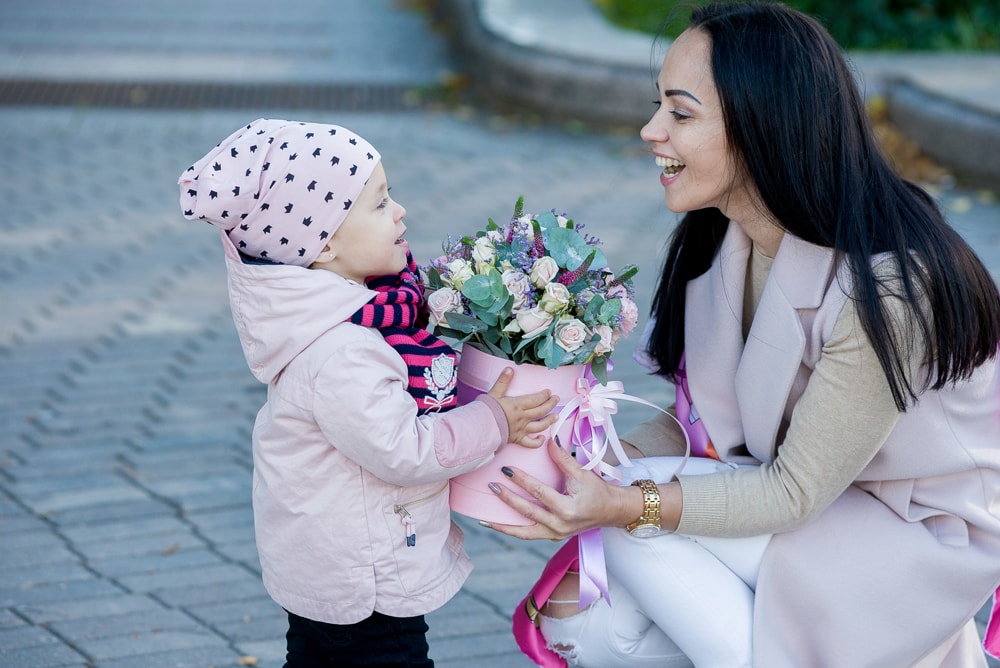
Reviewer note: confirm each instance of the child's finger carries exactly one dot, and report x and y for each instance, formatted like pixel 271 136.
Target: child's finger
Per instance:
pixel 499 389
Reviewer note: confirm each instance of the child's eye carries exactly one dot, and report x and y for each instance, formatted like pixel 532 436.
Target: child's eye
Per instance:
pixel 383 203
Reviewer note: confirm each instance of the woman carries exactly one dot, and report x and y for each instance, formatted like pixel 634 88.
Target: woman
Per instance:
pixel 840 344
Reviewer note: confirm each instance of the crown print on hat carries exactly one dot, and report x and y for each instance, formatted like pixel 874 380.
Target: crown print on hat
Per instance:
pixel 279 188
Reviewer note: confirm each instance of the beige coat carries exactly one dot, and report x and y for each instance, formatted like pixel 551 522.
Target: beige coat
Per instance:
pixel 896 566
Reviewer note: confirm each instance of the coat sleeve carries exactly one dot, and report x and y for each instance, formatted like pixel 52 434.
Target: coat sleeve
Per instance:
pixel 362 406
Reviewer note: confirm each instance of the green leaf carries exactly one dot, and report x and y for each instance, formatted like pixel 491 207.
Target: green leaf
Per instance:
pixel 464 324
pixel 434 281
pixel 592 314
pixel 609 310
pixel 599 367
pixel 569 249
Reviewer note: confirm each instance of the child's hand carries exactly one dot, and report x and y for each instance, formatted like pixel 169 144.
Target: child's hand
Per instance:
pixel 527 414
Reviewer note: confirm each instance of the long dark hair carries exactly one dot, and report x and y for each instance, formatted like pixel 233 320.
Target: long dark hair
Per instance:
pixel 796 125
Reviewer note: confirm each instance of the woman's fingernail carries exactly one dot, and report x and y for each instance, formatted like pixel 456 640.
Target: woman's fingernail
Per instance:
pixel 484 523
pixel 506 471
pixel 558 442
pixel 495 488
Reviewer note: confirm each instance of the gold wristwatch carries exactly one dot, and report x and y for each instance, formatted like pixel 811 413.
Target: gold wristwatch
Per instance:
pixel 648 523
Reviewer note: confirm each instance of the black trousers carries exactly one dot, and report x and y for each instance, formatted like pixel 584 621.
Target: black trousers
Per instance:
pixel 379 641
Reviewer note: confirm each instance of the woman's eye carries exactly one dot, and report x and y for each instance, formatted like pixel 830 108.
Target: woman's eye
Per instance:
pixel 657 102
pixel 679 115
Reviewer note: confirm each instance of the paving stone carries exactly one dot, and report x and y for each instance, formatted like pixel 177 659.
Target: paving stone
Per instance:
pixel 141 546
pixel 212 576
pixel 111 605
pixel 56 591
pixel 128 529
pixel 111 512
pixel 245 588
pixel 135 623
pixel 25 577
pixel 167 559
pixel 154 643
pixel 47 656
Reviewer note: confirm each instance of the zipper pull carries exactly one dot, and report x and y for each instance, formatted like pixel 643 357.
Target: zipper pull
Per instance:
pixel 409 525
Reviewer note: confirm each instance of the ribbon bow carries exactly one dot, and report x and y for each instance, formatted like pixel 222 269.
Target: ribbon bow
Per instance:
pixel 593 433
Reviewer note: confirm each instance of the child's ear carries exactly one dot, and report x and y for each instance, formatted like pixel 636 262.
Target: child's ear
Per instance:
pixel 327 254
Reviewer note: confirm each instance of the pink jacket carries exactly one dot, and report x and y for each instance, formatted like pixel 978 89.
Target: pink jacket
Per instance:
pixel 344 470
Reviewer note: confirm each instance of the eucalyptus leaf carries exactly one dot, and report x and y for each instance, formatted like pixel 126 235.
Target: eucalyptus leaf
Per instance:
pixel 569 249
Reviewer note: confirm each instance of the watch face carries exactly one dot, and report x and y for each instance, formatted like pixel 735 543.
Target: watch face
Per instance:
pixel 645 531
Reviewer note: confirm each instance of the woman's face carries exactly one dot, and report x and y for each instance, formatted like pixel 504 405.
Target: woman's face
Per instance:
pixel 687 132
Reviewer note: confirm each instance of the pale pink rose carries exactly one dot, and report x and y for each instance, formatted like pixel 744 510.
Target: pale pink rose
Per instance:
pixel 630 316
pixel 555 299
pixel 517 284
pixel 543 271
pixel 607 342
pixel 441 302
pixel 571 334
pixel 459 271
pixel 618 291
pixel 533 321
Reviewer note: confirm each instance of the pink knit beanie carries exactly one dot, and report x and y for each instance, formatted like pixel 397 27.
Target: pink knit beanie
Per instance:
pixel 279 188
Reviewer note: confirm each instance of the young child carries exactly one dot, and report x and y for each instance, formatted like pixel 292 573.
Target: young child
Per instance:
pixel 359 436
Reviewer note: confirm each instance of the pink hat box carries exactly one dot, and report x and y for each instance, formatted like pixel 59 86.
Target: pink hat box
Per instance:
pixel 470 493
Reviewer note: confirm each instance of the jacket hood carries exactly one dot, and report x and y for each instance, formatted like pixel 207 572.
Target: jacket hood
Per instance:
pixel 279 310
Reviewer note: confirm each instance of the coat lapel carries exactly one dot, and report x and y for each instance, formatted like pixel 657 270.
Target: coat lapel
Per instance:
pixel 750 409
pixel 714 342
pixel 773 354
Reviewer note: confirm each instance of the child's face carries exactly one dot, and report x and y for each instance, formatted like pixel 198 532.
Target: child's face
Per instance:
pixel 370 240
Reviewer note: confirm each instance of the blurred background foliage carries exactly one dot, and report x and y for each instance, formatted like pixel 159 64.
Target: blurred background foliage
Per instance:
pixel 919 25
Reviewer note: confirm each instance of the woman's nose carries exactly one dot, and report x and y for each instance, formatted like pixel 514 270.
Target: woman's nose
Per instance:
pixel 653 131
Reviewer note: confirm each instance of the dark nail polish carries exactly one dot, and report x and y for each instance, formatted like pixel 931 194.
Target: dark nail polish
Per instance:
pixel 506 471
pixel 495 488
pixel 558 442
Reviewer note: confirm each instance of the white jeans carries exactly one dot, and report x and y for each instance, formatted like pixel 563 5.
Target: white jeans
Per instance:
pixel 675 600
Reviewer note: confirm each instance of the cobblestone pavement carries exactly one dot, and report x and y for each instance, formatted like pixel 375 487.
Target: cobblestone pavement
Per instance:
pixel 126 408
pixel 126 405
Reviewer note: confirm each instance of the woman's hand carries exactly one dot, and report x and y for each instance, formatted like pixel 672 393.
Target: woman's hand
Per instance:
pixel 528 414
pixel 589 501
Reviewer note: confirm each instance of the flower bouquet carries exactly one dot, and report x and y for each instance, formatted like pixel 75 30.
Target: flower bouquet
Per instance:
pixel 536 293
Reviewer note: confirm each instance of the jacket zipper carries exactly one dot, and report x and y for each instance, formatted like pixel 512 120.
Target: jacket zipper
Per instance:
pixel 409 525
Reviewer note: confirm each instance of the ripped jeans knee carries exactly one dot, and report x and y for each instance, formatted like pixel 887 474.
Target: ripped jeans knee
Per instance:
pixel 601 637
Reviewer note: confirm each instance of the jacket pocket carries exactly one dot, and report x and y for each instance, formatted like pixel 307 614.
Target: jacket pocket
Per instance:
pixel 408 518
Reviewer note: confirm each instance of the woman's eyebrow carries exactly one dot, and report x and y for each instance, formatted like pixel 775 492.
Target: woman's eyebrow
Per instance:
pixel 676 91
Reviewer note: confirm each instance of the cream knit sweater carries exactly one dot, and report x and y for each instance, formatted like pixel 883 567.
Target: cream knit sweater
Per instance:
pixel 833 432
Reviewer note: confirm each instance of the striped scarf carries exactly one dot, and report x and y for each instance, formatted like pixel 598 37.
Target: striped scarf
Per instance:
pixel 398 312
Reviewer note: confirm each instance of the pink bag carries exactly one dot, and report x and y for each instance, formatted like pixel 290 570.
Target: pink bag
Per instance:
pixel 526 633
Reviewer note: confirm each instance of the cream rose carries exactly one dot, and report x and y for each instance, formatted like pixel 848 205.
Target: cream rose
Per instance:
pixel 441 302
pixel 483 251
pixel 533 322
pixel 458 272
pixel 555 299
pixel 571 334
pixel 543 271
